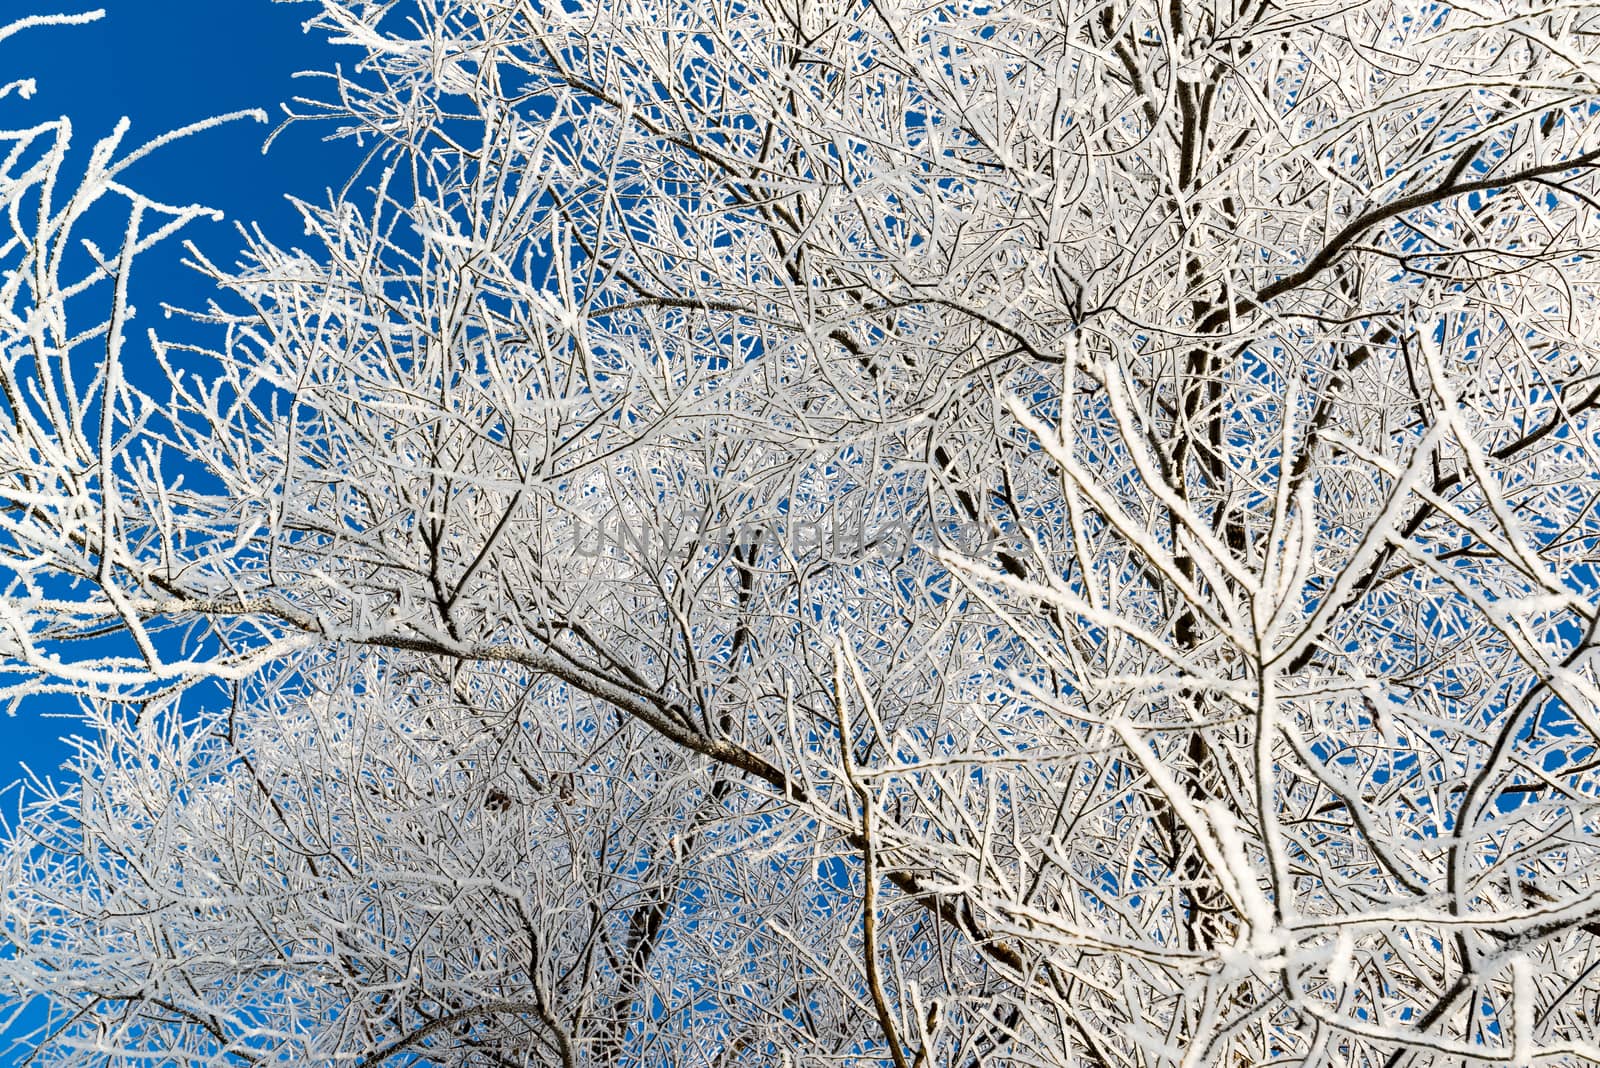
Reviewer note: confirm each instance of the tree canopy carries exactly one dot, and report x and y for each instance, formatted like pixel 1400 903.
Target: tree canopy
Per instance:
pixel 820 533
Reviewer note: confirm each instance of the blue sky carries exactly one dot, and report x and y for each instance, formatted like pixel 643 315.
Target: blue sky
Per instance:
pixel 165 64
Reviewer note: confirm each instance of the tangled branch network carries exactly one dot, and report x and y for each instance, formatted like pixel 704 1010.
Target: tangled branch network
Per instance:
pixel 1213 387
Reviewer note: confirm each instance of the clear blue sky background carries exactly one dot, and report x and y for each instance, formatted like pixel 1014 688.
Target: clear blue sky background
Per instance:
pixel 165 64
